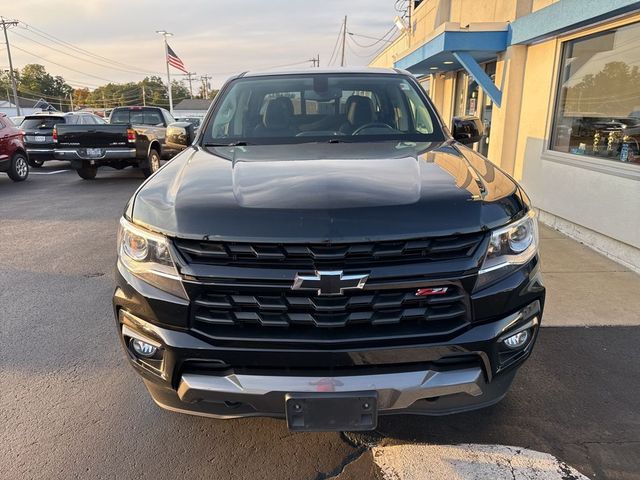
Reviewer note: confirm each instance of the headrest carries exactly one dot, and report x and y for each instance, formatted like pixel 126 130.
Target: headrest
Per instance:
pixel 279 113
pixel 360 110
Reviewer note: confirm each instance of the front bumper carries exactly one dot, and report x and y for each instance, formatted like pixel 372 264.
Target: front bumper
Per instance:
pixel 470 370
pixel 424 392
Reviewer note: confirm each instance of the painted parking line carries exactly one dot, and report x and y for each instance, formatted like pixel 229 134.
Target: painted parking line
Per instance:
pixel 49 173
pixel 469 462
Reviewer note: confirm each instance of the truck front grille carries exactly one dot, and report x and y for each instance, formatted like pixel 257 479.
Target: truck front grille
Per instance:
pixel 342 255
pixel 252 299
pixel 297 316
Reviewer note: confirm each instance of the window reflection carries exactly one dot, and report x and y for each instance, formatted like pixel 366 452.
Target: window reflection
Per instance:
pixel 598 110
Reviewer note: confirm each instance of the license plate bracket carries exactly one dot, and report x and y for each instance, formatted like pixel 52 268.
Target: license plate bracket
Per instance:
pixel 93 152
pixel 332 411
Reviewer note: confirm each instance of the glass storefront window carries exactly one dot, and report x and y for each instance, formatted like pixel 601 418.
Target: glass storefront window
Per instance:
pixel 598 107
pixel 487 111
pixel 426 83
pixel 467 91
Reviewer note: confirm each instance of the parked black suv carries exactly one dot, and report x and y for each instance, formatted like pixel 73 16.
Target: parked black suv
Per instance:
pixel 38 128
pixel 326 251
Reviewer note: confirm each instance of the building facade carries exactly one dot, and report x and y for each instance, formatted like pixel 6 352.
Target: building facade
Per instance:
pixel 556 84
pixel 192 107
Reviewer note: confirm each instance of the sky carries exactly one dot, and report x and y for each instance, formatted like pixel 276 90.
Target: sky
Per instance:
pixel 215 37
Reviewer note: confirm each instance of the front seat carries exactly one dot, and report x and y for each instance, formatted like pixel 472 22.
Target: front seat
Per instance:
pixel 277 120
pixel 359 112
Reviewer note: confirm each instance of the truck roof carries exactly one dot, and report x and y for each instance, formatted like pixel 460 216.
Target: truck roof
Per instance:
pixel 334 70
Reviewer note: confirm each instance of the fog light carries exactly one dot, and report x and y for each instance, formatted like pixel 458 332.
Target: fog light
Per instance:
pixel 142 348
pixel 517 340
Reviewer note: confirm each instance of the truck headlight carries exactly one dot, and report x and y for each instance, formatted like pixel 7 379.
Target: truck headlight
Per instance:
pixel 147 256
pixel 514 244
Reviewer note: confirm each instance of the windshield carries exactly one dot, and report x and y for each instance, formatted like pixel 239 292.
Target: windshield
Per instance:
pixel 321 107
pixel 31 123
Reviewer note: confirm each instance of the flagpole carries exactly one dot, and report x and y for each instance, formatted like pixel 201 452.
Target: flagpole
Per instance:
pixel 166 34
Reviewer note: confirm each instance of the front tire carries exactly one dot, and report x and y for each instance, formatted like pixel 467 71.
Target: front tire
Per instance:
pixel 19 168
pixel 153 164
pixel 87 172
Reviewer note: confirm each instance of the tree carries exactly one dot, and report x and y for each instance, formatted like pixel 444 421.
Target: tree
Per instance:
pixel 179 91
pixel 35 82
pixel 5 84
pixel 211 94
pixel 614 91
pixel 81 97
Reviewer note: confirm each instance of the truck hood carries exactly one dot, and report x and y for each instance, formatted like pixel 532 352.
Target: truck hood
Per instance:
pixel 326 192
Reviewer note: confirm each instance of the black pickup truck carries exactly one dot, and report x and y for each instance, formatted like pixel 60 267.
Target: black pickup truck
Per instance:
pixel 325 250
pixel 135 136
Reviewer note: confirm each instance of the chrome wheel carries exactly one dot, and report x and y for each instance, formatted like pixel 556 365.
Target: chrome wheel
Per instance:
pixel 154 162
pixel 19 169
pixel 22 169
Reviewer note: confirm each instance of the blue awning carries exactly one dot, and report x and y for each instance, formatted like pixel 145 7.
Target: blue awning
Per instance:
pixel 455 49
pixel 452 50
pixel 564 16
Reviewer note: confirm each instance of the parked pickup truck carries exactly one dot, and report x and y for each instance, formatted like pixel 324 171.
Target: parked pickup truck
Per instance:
pixel 328 261
pixel 135 136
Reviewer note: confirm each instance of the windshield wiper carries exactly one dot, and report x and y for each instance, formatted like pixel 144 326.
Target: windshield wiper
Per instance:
pixel 240 143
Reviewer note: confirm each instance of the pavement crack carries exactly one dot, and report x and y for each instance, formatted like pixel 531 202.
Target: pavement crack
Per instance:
pixel 352 457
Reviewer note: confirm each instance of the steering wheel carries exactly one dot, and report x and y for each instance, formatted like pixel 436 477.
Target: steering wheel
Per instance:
pixel 373 125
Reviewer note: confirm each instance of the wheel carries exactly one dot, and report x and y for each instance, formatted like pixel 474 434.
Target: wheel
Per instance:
pixel 19 168
pixel 36 163
pixel 88 172
pixel 153 162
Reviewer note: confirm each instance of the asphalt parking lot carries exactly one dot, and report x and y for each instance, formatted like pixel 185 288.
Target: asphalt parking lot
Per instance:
pixel 71 407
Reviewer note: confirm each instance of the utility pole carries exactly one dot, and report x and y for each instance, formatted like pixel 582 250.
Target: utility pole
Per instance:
pixel 166 34
pixel 71 100
pixel 190 77
pixel 344 39
pixel 144 97
pixel 205 84
pixel 6 24
pixel 318 61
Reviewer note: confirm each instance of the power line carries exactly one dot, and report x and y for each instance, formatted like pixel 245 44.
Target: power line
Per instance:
pixel 378 40
pixel 110 67
pixel 63 66
pixel 83 51
pixel 366 55
pixel 344 40
pixel 190 77
pixel 335 46
pixel 205 85
pixel 11 72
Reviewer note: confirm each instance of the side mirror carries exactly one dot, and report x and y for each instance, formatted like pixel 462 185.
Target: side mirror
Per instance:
pixel 179 135
pixel 467 130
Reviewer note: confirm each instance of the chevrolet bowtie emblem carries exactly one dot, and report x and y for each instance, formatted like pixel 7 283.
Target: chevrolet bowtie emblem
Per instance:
pixel 330 282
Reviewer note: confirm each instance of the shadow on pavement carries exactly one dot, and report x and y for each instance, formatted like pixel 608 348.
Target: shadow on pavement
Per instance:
pixel 575 398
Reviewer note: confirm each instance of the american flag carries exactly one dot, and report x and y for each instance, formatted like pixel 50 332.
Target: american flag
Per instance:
pixel 174 60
